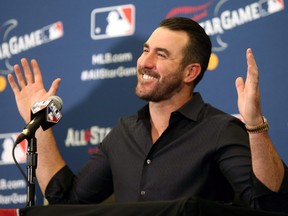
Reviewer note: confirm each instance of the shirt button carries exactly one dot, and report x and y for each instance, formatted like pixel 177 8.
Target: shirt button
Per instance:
pixel 148 161
pixel 142 193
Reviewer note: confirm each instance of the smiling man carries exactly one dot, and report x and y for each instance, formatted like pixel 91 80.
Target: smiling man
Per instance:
pixel 177 145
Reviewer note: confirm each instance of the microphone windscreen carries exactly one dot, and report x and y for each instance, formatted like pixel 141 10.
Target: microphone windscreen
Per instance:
pixel 57 100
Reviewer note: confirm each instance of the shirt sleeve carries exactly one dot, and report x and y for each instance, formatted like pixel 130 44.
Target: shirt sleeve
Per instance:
pixel 92 184
pixel 236 165
pixel 269 200
pixel 59 185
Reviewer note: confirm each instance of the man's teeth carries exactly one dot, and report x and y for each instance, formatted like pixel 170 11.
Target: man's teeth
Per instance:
pixel 147 77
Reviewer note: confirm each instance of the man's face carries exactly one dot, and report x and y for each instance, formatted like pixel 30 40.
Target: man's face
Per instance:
pixel 159 70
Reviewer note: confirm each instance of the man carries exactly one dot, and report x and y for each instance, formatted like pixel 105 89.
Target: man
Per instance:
pixel 176 146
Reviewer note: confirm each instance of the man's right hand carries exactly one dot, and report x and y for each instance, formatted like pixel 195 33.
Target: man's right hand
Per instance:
pixel 29 87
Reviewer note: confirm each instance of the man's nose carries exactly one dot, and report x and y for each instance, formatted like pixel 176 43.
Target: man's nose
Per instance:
pixel 147 60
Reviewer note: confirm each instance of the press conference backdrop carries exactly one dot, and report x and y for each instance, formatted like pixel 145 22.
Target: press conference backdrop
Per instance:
pixel 93 47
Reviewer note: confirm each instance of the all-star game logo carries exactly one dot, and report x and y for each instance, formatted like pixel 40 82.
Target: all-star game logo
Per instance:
pixel 226 17
pixel 12 44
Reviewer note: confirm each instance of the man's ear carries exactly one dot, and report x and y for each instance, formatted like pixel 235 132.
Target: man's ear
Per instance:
pixel 192 71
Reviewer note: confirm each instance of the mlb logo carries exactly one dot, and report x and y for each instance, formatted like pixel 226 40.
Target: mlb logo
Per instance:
pixel 6 145
pixel 109 22
pixel 53 115
pixel 52 32
pixel 268 7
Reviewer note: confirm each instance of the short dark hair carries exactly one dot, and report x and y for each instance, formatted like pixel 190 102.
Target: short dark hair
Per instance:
pixel 199 47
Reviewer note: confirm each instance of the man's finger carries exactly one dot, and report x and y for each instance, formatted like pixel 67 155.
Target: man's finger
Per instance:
pixel 36 70
pixel 27 71
pixel 14 86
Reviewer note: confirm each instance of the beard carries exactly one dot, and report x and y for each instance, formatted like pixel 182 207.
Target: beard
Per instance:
pixel 163 89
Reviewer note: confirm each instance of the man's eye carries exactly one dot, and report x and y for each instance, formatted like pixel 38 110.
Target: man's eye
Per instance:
pixel 162 55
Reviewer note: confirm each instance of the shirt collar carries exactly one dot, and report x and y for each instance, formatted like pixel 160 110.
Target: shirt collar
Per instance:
pixel 193 107
pixel 190 109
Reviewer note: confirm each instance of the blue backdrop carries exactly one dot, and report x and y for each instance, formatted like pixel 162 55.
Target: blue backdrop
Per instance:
pixel 93 47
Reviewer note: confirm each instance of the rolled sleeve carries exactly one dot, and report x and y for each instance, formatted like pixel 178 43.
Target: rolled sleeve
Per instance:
pixel 269 200
pixel 59 186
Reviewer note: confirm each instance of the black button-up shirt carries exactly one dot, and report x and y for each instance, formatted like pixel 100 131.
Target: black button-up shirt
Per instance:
pixel 203 153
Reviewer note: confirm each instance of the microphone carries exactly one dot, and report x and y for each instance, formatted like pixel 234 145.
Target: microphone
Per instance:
pixel 45 114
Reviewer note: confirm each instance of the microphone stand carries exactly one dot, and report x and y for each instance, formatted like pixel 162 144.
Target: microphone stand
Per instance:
pixel 31 163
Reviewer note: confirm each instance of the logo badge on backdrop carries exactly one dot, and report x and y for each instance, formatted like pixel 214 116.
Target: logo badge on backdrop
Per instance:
pixel 109 22
pixel 90 137
pixel 6 145
pixel 11 44
pixel 226 17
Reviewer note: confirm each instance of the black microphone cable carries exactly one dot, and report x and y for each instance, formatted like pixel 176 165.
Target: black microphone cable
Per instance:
pixel 17 164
